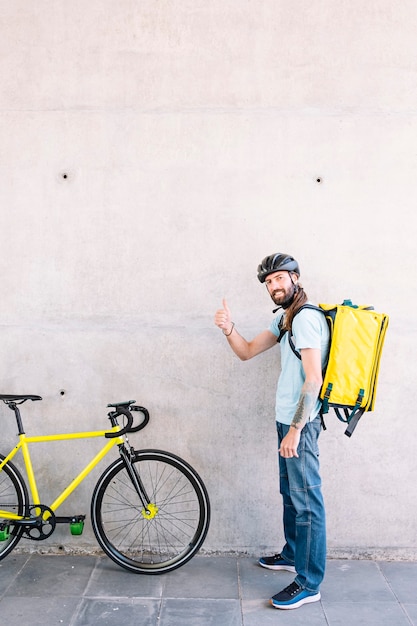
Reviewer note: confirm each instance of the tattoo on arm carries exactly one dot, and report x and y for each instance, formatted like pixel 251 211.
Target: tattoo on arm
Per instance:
pixel 299 412
pixel 308 397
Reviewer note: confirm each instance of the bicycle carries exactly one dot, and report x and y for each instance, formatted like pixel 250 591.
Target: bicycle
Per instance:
pixel 150 510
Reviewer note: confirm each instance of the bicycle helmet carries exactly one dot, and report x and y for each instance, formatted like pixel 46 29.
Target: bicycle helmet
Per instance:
pixel 275 263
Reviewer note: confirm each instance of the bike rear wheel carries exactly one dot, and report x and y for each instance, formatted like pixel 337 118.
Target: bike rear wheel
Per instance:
pixel 169 532
pixel 13 499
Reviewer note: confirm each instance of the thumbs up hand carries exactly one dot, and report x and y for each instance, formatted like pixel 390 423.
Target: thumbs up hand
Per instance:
pixel 223 318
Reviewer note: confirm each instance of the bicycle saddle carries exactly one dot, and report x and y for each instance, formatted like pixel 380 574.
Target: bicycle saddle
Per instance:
pixel 17 398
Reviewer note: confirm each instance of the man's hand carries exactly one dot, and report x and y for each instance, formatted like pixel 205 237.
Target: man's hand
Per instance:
pixel 223 318
pixel 241 347
pixel 290 443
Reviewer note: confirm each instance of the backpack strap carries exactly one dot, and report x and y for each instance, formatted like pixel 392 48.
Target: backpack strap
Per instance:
pixel 281 330
pixel 353 421
pixel 290 336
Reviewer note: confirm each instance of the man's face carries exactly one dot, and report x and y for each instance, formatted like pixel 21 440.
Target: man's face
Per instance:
pixel 281 287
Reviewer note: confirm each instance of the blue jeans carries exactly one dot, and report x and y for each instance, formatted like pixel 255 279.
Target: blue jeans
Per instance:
pixel 304 514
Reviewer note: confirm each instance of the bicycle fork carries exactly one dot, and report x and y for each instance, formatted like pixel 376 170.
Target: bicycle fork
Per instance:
pixel 150 510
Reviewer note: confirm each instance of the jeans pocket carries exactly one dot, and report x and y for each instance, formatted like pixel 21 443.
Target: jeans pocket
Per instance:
pixel 310 436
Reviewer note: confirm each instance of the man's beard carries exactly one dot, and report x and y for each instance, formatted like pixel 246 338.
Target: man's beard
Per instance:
pixel 284 298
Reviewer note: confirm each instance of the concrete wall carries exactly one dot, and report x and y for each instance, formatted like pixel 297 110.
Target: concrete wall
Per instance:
pixel 151 154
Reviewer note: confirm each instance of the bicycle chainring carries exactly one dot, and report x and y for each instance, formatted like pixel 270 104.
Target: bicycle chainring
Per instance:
pixel 37 527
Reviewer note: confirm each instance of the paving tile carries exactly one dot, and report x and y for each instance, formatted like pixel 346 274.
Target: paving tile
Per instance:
pixel 117 612
pixel 355 581
pixel 402 578
pixel 9 569
pixel 53 576
pixel 365 614
pixel 258 582
pixel 260 613
pixel 37 611
pixel 110 580
pixel 201 612
pixel 203 577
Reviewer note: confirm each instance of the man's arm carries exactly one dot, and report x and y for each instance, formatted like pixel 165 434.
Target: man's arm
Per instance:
pixel 311 360
pixel 241 347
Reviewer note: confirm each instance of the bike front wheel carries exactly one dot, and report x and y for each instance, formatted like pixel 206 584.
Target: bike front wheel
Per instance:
pixel 13 500
pixel 165 534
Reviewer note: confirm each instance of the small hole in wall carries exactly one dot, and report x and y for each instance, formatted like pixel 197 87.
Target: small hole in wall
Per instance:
pixel 65 176
pixel 62 392
pixel 319 180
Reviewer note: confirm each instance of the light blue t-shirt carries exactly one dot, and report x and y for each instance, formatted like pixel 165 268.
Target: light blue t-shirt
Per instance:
pixel 309 330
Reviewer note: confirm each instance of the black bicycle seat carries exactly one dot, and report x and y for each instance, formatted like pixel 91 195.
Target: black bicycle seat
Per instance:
pixel 17 398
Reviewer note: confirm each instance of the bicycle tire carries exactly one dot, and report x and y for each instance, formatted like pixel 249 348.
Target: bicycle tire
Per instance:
pixel 14 498
pixel 177 528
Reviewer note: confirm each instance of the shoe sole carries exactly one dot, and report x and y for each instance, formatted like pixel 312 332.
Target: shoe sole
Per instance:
pixel 295 605
pixel 277 568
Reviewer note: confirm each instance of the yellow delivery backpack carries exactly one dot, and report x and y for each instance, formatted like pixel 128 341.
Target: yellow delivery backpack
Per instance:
pixel 350 378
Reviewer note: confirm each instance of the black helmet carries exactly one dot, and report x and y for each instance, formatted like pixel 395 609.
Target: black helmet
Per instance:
pixel 276 263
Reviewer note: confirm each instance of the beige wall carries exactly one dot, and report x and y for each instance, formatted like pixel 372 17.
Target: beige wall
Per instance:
pixel 151 154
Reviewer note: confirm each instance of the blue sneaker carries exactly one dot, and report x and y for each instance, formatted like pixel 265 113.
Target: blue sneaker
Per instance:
pixel 276 562
pixel 294 596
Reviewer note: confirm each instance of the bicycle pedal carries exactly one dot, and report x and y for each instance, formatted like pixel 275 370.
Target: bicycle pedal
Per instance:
pixel 4 532
pixel 77 525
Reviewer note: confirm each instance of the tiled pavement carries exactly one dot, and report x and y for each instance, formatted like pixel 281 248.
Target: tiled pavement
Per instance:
pixel 208 591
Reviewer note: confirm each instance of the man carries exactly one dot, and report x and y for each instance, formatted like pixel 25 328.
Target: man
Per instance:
pixel 298 424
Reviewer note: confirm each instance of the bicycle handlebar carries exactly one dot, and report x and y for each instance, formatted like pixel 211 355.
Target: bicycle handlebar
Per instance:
pixel 129 428
pixel 145 420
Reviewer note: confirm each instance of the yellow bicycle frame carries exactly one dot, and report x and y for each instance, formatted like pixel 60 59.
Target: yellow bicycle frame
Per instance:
pixel 23 445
